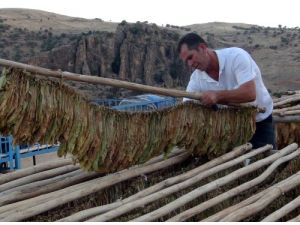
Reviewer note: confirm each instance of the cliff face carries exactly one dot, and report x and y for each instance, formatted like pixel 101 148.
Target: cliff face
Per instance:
pixel 90 54
pixel 147 54
pixel 138 52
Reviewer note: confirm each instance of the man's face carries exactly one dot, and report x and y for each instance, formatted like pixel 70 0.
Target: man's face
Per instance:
pixel 195 58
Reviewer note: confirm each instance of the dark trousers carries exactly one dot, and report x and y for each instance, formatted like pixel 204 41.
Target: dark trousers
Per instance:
pixel 264 134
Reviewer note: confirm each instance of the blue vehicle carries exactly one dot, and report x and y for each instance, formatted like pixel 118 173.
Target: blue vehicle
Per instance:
pixel 10 157
pixel 146 102
pixel 6 153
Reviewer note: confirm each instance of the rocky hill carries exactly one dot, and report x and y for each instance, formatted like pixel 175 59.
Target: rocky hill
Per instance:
pixel 139 52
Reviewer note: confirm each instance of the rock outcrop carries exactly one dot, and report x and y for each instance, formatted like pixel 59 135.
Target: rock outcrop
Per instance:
pixel 138 53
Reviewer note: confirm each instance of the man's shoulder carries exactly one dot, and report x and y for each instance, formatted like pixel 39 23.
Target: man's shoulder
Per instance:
pixel 232 50
pixel 196 74
pixel 230 55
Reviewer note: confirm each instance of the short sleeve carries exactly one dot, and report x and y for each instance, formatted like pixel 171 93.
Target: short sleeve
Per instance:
pixel 243 67
pixel 193 86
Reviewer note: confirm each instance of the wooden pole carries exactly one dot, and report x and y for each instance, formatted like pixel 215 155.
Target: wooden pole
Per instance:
pixel 218 216
pixel 176 187
pixel 283 211
pixel 286 119
pixel 43 203
pixel 112 82
pixel 100 80
pixel 234 191
pixel 293 92
pixel 296 219
pixel 46 186
pixel 282 110
pixel 98 182
pixel 290 112
pixel 214 185
pixel 282 98
pixel 174 152
pixel 38 176
pixel 273 193
pixel 225 212
pixel 5 178
pixel 80 216
pixel 286 101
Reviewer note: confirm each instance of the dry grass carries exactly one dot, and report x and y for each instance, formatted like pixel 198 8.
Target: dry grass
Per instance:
pixel 36 20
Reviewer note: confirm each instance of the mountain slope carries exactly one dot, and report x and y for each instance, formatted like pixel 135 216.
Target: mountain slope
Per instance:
pixel 140 52
pixel 36 20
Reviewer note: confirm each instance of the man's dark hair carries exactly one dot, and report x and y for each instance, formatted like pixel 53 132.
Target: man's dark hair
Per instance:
pixel 192 40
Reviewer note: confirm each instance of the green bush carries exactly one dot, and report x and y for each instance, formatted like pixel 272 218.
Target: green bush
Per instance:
pixel 49 44
pixel 284 40
pixel 4 27
pixel 158 77
pixel 17 54
pixel 115 66
pixel 136 29
pixel 123 22
pixel 274 47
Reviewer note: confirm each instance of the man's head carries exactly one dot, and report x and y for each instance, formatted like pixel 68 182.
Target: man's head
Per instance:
pixel 192 50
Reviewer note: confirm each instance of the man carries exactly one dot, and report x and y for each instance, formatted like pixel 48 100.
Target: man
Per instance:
pixel 227 76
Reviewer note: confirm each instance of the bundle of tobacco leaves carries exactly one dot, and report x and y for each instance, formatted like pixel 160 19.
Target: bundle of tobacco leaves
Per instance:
pixel 34 109
pixel 287 133
pixel 285 107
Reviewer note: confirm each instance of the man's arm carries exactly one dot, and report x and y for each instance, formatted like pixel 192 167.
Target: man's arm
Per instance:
pixel 245 93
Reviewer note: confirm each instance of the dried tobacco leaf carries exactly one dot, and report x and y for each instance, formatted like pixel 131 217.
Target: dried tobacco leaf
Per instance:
pixel 101 139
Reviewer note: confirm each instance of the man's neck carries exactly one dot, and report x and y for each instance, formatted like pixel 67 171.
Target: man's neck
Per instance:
pixel 213 69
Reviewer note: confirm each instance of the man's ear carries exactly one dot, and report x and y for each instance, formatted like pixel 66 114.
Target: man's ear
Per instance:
pixel 202 46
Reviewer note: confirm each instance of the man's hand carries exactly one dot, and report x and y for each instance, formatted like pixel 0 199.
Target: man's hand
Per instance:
pixel 245 93
pixel 209 98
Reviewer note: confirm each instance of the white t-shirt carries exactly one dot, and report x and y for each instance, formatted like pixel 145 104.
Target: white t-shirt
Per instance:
pixel 236 68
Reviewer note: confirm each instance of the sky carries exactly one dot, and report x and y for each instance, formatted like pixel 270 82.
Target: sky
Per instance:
pixel 185 12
